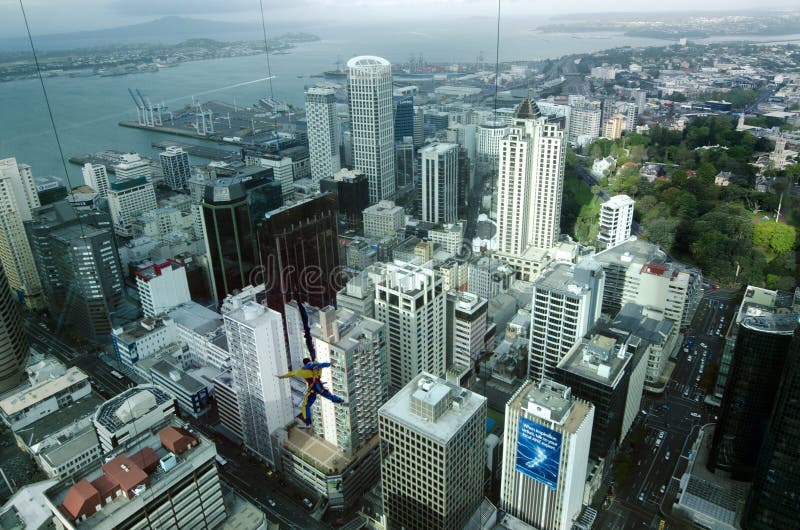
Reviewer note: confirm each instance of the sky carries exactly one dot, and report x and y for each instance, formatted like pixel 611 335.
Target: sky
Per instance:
pixel 62 16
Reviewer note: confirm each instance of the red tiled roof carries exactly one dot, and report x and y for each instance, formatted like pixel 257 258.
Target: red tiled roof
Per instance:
pixel 147 459
pixel 105 486
pixel 125 473
pixel 176 440
pixel 81 499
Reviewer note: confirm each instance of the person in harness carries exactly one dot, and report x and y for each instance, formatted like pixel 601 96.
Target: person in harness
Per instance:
pixel 312 373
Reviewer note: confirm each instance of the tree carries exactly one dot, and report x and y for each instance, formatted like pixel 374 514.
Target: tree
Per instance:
pixel 661 230
pixel 706 172
pixel 776 237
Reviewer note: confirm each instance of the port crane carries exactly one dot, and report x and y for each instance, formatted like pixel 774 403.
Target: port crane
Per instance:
pixel 147 114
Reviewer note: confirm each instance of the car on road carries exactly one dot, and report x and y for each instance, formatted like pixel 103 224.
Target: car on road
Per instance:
pixel 694 414
pixel 666 456
pixel 661 435
pixel 641 496
pixel 271 503
pixel 658 442
pixel 685 393
pixel 308 503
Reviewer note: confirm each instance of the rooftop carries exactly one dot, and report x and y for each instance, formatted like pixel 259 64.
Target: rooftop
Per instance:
pixel 70 447
pixel 639 321
pixel 52 424
pixel 633 250
pixel 601 359
pixel 324 455
pixel 122 185
pixel 39 392
pixel 551 401
pixel 117 412
pixel 178 377
pixel 434 407
pixel 367 62
pixel 198 318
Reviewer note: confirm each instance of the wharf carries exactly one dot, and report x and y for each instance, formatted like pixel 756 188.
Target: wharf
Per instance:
pixel 200 151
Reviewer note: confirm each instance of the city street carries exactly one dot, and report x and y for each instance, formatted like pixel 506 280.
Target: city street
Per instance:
pixel 670 424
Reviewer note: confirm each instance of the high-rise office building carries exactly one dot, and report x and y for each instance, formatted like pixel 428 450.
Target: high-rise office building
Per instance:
pixel 613 127
pixel 405 163
pixel 530 183
pixel 76 255
pixel 369 87
pixel 258 354
pixel 584 124
pixel 439 195
pixel 13 343
pixel 96 177
pixel 410 301
pixel 352 194
pixel 759 360
pixel 323 133
pixel 419 126
pixel 403 117
pixel 616 218
pixel 432 455
pixel 356 348
pixel 545 453
pixel 299 252
pixel 487 144
pixel 384 218
pixel 567 300
pixel 467 322
pixel 773 498
pixel 127 200
pixel 630 112
pixel 175 166
pixel 131 166
pixel 610 374
pixel 358 296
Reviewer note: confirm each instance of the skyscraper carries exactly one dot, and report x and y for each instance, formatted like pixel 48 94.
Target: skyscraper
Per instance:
pixel 127 200
pixel 773 498
pixel 403 117
pixel 439 183
pixel 175 165
pixel 432 455
pixel 530 183
pixel 352 194
pixel 96 177
pixel 323 133
pixel 299 252
pixel 545 455
pixel 584 124
pixel 567 300
pixel 258 354
pixel 759 360
pixel 369 86
pixel 76 255
pixel 467 322
pixel 17 199
pixel 13 343
pixel 410 301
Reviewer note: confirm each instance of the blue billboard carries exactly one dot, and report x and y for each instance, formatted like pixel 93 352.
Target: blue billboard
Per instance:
pixel 538 452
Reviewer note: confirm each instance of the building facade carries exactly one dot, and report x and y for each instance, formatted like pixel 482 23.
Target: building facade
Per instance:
pixel 616 219
pixel 384 219
pixel 162 286
pixel 323 132
pixel 369 89
pixel 13 342
pixel 96 177
pixel 439 183
pixel 175 167
pixel 127 200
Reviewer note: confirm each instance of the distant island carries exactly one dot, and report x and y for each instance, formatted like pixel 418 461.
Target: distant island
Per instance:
pixel 122 59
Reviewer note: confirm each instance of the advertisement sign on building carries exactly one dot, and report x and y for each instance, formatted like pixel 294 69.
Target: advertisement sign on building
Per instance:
pixel 538 452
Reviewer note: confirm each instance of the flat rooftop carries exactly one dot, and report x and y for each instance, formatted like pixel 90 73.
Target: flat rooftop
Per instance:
pixel 596 359
pixel 198 318
pixel 427 390
pixel 66 416
pixel 42 391
pixel 633 250
pixel 106 414
pixel 565 410
pixel 325 456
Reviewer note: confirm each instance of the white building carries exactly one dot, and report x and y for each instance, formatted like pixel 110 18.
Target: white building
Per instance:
pixel 175 166
pixel 439 183
pixel 203 332
pixel 467 322
pixel 606 73
pixel 358 295
pixel 162 286
pixel 584 124
pixel 258 355
pixel 17 198
pixel 44 397
pixel 487 277
pixel 384 218
pixel 127 200
pixel 567 301
pixel 132 166
pixel 369 88
pixel 449 236
pixel 432 454
pixel 96 177
pixel 139 340
pixel 323 132
pixel 410 301
pixel 616 218
pixel 128 417
pixel 487 143
pixel 356 348
pixel 530 183
pixel 545 454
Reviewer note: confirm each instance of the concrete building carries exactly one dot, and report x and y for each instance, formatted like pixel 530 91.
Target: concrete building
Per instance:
pixel 96 177
pixel 530 183
pixel 169 479
pixel 358 296
pixel 127 200
pixel 607 373
pixel 27 509
pixel 410 301
pixel 17 199
pixel 616 218
pixel 369 89
pixel 162 286
pixel 202 331
pixel 191 392
pixel 131 166
pixel 467 324
pixel 352 194
pixel 258 354
pixel 640 272
pixel 566 304
pixel 226 396
pixel 487 144
pixel 131 415
pixel 44 397
pixel 545 453
pixel 323 132
pixel 13 342
pixel 439 183
pixel 139 340
pixel 450 237
pixel 175 167
pixel 488 277
pixel 584 124
pixel 613 127
pixel 384 218
pixel 432 454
